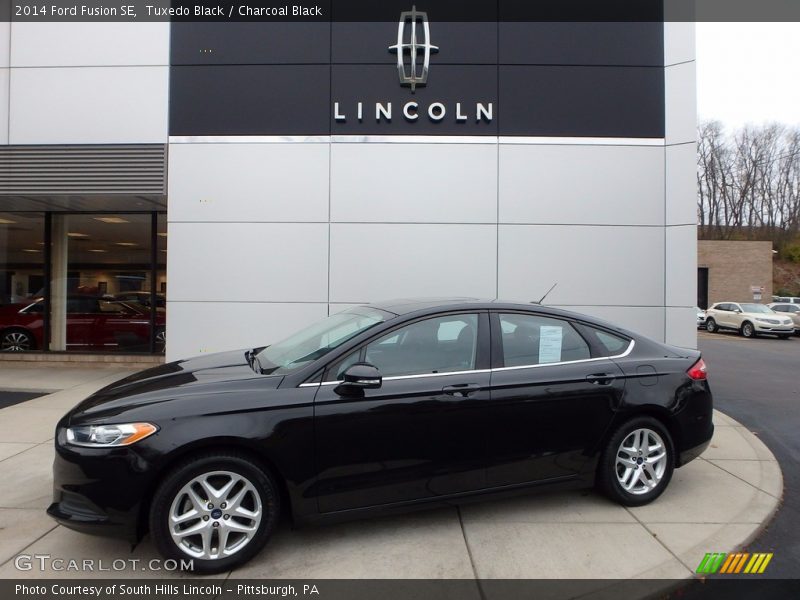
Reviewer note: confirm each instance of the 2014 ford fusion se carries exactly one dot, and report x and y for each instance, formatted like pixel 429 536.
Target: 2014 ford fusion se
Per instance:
pixel 378 408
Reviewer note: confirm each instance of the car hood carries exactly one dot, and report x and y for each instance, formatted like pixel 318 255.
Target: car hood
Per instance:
pixel 752 315
pixel 180 382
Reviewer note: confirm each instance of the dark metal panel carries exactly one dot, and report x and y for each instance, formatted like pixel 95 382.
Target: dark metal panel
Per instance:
pixel 458 43
pixel 449 84
pixel 249 100
pixel 582 101
pixel 637 44
pixel 249 43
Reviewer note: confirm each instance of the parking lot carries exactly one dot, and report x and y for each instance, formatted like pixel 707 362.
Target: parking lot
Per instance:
pixel 756 381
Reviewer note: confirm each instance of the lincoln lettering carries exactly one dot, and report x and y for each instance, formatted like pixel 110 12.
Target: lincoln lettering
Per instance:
pixel 412 110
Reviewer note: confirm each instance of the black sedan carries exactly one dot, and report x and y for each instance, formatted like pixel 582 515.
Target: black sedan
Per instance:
pixel 379 408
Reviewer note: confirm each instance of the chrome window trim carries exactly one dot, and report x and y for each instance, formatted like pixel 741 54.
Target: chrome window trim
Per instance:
pixel 570 362
pixel 628 350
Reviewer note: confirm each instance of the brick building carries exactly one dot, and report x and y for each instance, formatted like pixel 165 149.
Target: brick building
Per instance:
pixel 731 270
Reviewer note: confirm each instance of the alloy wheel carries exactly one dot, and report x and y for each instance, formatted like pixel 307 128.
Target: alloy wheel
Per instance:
pixel 16 341
pixel 747 330
pixel 711 325
pixel 641 461
pixel 215 515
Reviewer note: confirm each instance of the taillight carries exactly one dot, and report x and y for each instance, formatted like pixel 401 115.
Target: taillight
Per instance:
pixel 698 370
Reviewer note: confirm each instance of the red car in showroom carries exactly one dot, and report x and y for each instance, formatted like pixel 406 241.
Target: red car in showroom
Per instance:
pixel 93 323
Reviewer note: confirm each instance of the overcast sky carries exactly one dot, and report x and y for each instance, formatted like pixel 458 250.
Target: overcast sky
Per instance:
pixel 748 72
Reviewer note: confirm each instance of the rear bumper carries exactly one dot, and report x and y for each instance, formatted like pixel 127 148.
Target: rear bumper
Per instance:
pixel 690 454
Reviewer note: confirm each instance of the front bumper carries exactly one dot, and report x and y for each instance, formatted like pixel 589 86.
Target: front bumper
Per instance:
pixel 767 328
pixel 100 491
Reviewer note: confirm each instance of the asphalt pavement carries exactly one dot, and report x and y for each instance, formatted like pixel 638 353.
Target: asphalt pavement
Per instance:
pixel 757 382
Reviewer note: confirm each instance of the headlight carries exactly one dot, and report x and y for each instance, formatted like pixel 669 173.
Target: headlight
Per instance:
pixel 107 436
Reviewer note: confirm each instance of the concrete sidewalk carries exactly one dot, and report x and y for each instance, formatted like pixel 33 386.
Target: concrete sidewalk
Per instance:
pixel 717 503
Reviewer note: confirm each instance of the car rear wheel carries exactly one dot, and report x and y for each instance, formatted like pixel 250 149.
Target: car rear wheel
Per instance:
pixel 16 340
pixel 711 326
pixel 638 462
pixel 748 330
pixel 217 510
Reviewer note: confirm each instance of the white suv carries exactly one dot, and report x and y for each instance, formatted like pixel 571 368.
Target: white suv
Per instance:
pixel 748 318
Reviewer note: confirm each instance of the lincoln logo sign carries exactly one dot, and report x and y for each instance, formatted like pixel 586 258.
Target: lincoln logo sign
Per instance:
pixel 414 50
pixel 415 74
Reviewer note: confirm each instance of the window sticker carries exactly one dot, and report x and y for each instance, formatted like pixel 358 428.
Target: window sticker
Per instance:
pixel 550 338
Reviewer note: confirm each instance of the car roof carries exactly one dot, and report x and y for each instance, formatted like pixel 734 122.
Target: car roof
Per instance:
pixel 406 306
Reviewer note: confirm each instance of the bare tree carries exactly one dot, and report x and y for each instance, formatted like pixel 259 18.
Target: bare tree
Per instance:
pixel 748 183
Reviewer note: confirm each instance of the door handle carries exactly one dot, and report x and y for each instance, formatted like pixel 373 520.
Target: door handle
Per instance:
pixel 461 389
pixel 600 378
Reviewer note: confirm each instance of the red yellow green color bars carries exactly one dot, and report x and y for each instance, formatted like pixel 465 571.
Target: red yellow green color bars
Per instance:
pixel 734 563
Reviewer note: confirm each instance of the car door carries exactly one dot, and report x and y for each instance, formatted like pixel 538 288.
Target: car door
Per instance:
pixel 735 318
pixel 81 321
pixel 723 314
pixel 420 434
pixel 552 395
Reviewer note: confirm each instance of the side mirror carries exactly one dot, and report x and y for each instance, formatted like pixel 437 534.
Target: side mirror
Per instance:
pixel 737 310
pixel 363 376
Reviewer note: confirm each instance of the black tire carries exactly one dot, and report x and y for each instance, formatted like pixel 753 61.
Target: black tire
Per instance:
pixel 609 472
pixel 172 487
pixel 16 340
pixel 711 326
pixel 748 330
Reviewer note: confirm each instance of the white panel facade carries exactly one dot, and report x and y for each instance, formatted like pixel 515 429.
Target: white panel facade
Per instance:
pixel 89 44
pixel 89 105
pixel 681 103
pixel 248 262
pixel 248 182
pixel 681 327
pixel 5 43
pixel 372 262
pixel 414 183
pixel 582 184
pixel 608 265
pixel 681 190
pixel 202 327
pixel 679 42
pixel 648 321
pixel 4 77
pixel 681 244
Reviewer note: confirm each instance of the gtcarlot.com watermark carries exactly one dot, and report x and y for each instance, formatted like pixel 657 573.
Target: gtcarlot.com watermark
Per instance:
pixel 47 562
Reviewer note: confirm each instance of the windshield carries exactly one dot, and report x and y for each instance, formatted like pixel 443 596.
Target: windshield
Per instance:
pixel 756 308
pixel 316 341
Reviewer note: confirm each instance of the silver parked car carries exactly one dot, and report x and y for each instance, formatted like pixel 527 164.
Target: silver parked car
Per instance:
pixel 790 310
pixel 701 317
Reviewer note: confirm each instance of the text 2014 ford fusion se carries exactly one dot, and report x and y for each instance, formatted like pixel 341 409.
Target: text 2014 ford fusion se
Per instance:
pixel 377 408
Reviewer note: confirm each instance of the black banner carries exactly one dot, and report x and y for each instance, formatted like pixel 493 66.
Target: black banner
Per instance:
pixel 385 10
pixel 745 586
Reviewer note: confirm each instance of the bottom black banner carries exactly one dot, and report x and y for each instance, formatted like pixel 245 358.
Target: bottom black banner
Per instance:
pixel 398 589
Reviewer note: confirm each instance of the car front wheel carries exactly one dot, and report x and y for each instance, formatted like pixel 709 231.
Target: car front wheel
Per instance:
pixel 638 461
pixel 711 326
pixel 16 340
pixel 748 330
pixel 217 511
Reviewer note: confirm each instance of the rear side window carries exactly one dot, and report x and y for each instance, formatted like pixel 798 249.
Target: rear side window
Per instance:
pixel 534 340
pixel 609 344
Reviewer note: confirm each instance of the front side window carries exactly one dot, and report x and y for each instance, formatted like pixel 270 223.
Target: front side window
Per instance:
pixel 534 340
pixel 316 341
pixel 440 345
